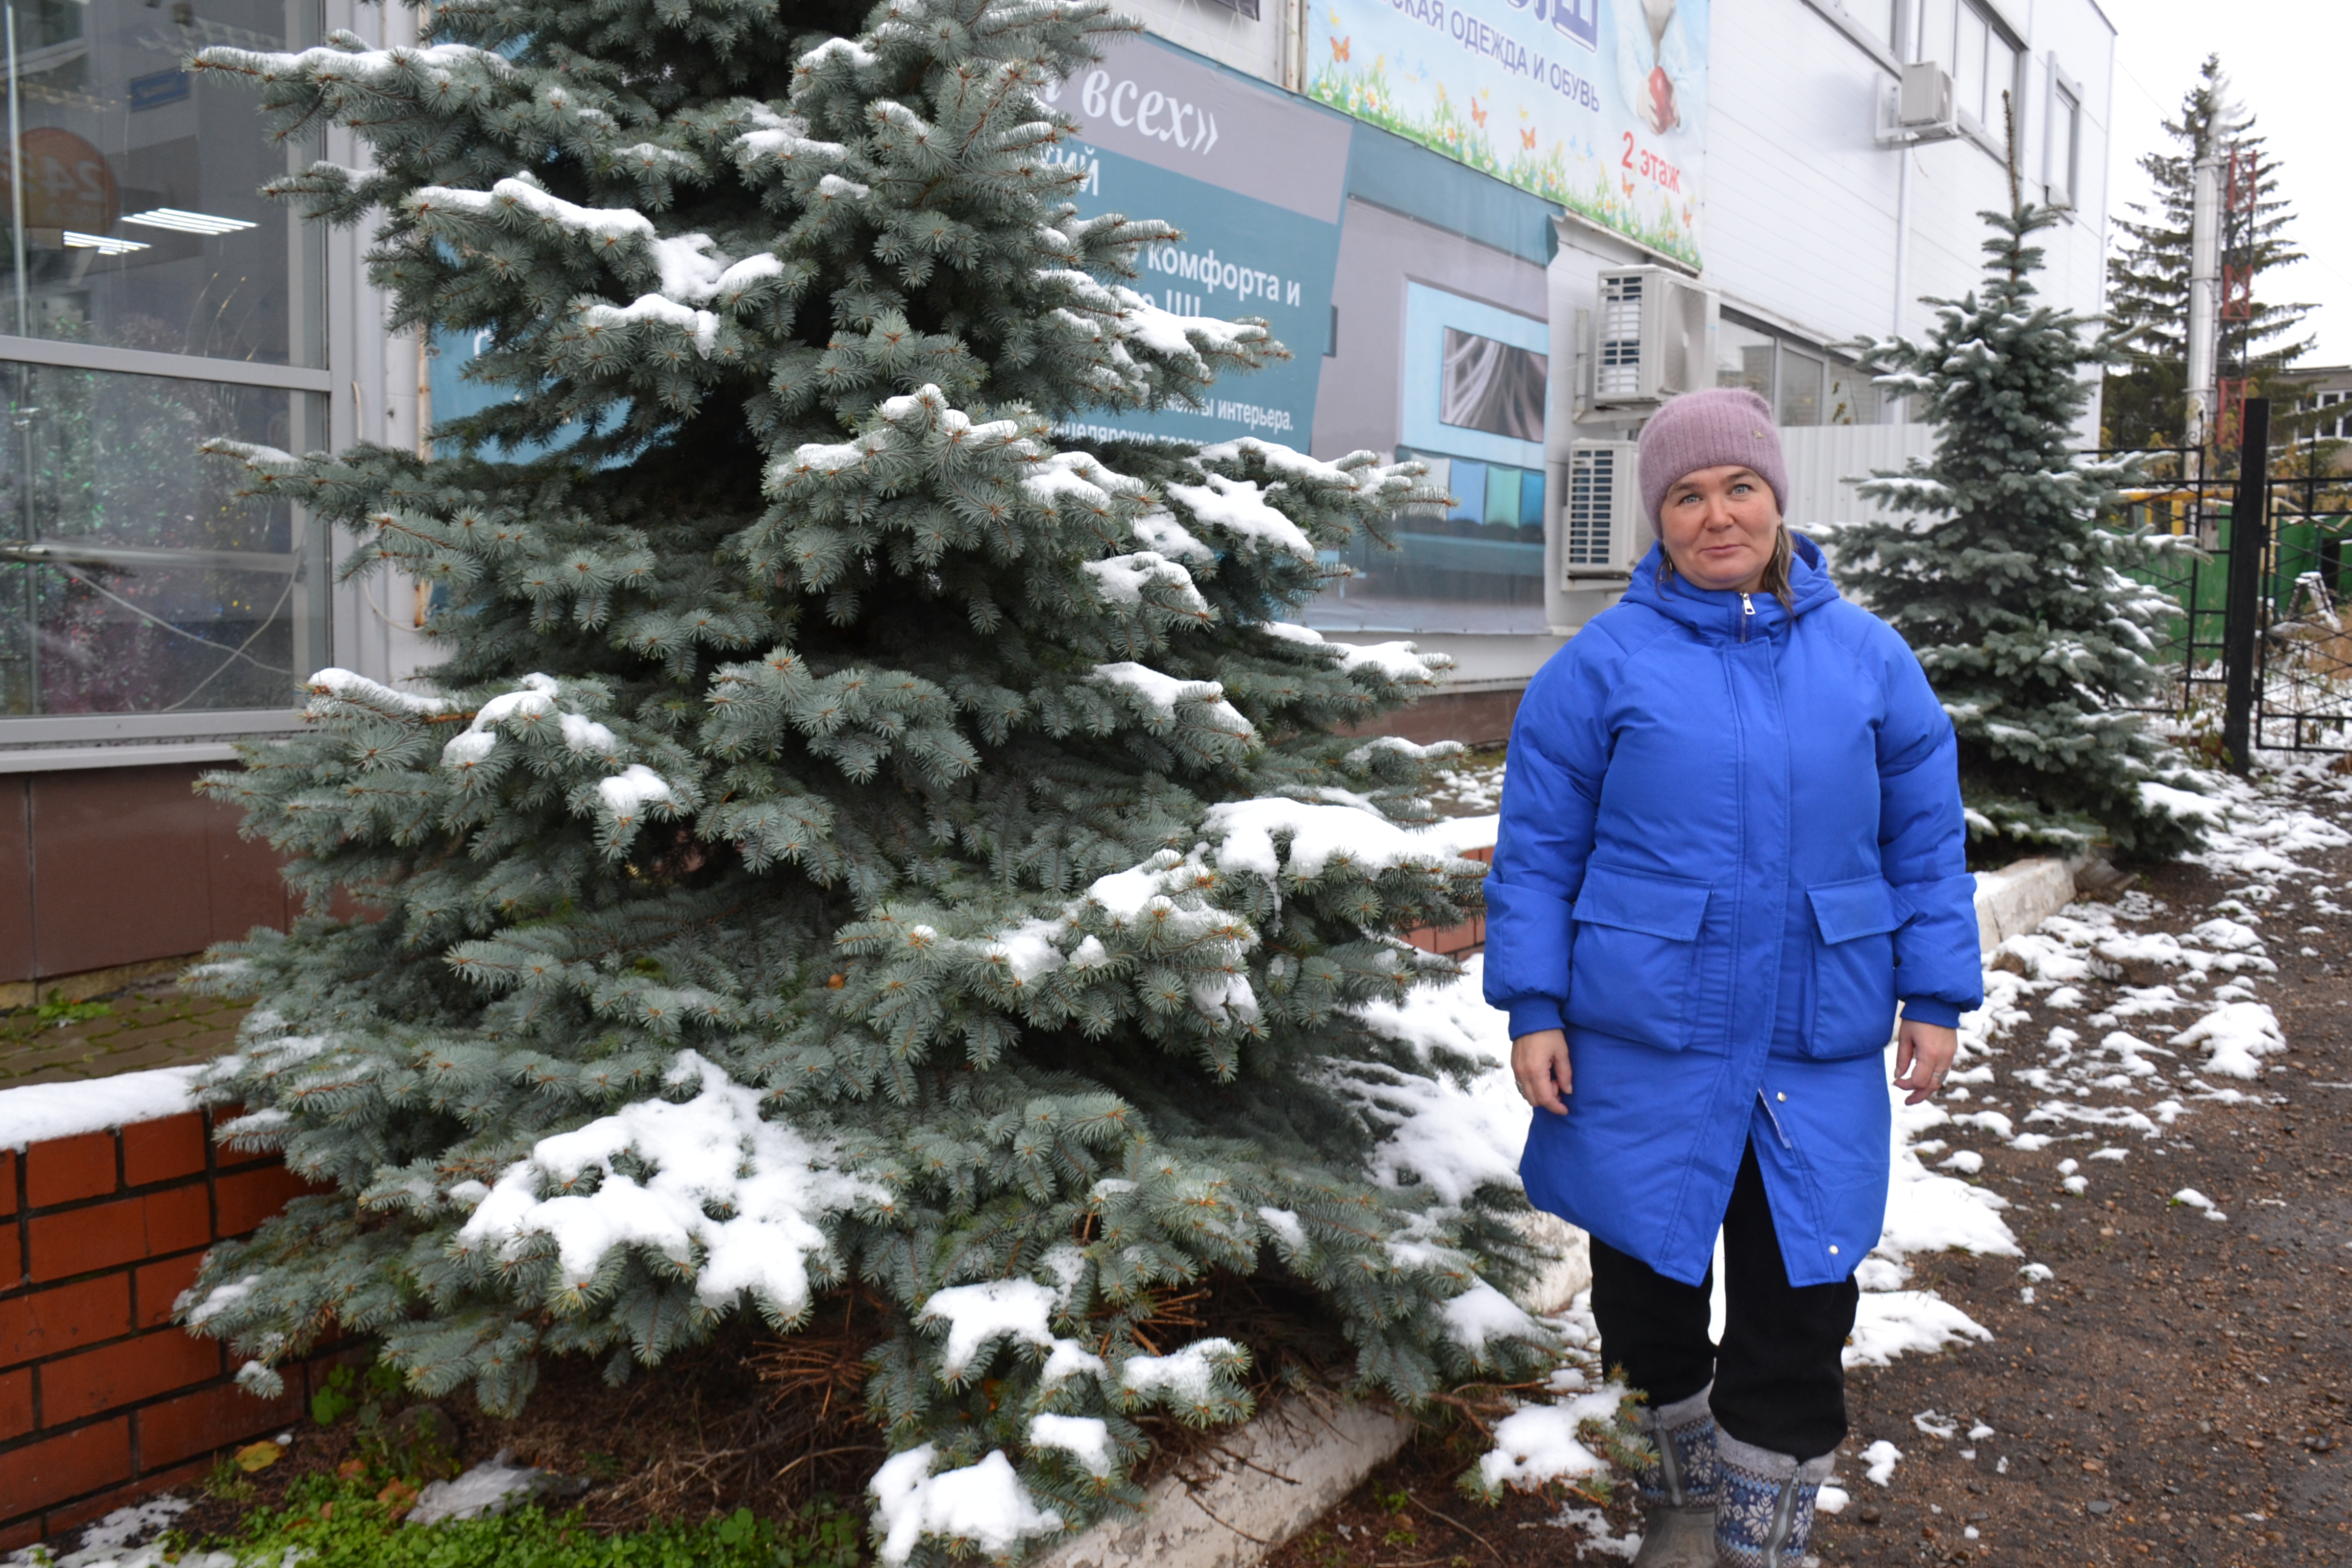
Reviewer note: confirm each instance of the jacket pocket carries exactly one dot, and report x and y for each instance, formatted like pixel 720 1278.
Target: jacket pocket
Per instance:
pixel 1631 965
pixel 1854 968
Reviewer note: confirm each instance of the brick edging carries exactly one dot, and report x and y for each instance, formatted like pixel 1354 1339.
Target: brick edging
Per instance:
pixel 102 1397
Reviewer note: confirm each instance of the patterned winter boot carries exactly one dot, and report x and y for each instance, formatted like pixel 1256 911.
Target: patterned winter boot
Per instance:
pixel 1679 1491
pixel 1764 1505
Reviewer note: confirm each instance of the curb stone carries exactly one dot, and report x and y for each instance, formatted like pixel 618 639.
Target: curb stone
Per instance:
pixel 1223 1512
pixel 2017 899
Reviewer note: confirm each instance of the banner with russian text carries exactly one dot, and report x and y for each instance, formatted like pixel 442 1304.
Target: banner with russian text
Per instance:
pixel 1598 105
pixel 1256 179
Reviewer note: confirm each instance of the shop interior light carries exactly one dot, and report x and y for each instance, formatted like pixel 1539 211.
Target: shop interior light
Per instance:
pixel 188 222
pixel 104 244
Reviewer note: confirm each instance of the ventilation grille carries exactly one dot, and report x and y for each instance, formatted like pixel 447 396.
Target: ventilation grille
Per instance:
pixel 1618 368
pixel 1591 498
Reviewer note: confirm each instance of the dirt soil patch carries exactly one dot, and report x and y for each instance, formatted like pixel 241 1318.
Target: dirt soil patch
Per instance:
pixel 2176 1393
pixel 695 1441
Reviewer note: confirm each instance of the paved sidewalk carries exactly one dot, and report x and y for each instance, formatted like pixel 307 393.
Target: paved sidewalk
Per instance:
pixel 151 1025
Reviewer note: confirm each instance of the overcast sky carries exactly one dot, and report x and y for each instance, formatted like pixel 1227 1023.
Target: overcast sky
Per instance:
pixel 2286 59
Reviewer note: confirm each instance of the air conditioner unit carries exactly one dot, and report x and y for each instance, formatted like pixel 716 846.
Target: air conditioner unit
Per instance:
pixel 1600 523
pixel 1925 102
pixel 1653 336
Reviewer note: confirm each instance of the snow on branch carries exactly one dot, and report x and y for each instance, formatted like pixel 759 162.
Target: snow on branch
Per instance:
pixel 1021 1310
pixel 1238 507
pixel 329 64
pixel 1122 579
pixel 983 1505
pixel 344 685
pixel 1313 836
pixel 1402 662
pixel 712 1154
pixel 518 193
pixel 1164 694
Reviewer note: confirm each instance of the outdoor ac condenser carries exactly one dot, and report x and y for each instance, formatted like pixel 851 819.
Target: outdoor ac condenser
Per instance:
pixel 1925 102
pixel 1601 530
pixel 1653 336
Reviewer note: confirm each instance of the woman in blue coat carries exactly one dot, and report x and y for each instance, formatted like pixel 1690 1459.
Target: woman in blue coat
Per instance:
pixel 1731 844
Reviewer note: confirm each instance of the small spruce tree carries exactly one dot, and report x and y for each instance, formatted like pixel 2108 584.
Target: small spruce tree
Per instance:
pixel 855 833
pixel 2009 580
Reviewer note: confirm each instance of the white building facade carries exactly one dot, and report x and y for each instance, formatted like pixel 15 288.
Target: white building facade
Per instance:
pixel 1813 219
pixel 1423 196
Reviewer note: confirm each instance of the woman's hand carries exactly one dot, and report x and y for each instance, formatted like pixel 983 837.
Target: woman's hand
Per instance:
pixel 1923 1055
pixel 1539 1061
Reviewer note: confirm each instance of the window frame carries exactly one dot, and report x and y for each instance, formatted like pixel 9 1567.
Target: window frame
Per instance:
pixel 1785 342
pixel 2062 188
pixel 1945 52
pixel 44 741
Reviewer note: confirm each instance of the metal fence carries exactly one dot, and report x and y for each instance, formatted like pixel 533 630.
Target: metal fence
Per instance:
pixel 2274 656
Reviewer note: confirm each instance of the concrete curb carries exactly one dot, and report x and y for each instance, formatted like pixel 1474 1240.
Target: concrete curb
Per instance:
pixel 2016 898
pixel 1242 1499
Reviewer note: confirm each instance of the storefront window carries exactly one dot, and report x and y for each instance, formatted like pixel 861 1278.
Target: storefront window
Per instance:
pixel 138 220
pixel 134 578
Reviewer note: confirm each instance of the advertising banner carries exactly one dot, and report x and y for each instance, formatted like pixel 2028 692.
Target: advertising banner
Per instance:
pixel 1256 181
pixel 1598 105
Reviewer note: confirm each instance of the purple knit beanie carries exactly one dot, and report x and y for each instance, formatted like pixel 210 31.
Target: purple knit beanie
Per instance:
pixel 1704 430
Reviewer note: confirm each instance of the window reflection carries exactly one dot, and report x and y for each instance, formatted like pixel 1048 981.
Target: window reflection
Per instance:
pixel 130 211
pixel 1744 358
pixel 133 577
pixel 1800 389
pixel 1852 398
pixel 1478 567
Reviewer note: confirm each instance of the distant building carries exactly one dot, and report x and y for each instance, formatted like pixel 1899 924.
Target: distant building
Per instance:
pixel 2317 389
pixel 1422 195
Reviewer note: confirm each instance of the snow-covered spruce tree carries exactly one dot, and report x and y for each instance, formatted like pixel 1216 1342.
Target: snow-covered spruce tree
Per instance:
pixel 855 833
pixel 2008 576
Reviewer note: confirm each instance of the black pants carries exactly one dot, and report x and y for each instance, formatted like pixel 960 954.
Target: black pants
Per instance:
pixel 1779 1381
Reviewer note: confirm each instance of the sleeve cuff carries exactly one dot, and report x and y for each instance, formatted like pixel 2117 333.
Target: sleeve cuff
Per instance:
pixel 1928 1010
pixel 1535 1014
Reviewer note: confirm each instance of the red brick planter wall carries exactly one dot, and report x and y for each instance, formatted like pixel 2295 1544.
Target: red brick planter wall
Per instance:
pixel 102 1398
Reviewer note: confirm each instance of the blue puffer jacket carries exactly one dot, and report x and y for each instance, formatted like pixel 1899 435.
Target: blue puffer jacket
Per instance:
pixel 1731 841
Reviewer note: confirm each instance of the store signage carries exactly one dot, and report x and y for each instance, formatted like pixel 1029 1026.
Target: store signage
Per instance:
pixel 156 90
pixel 1598 105
pixel 66 182
pixel 1256 181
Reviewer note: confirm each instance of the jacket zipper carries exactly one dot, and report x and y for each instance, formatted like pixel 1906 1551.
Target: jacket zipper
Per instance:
pixel 1747 615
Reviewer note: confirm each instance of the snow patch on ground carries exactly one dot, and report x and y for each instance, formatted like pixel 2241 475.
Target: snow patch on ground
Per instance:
pixel 1879 1461
pixel 489 1489
pixel 1540 1443
pixel 1593 1526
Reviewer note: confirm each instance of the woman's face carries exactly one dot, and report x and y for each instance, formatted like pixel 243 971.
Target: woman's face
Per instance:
pixel 1718 526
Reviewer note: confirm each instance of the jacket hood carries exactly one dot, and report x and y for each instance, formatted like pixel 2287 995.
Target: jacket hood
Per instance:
pixel 1719 613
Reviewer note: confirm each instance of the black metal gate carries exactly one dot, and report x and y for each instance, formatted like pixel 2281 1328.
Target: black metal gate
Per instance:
pixel 2262 650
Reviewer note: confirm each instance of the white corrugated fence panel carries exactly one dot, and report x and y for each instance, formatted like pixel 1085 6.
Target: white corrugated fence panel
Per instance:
pixel 1826 461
